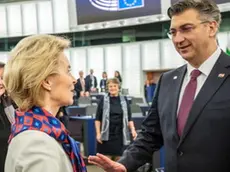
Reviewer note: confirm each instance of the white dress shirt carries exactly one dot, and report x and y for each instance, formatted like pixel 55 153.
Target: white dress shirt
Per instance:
pixel 205 70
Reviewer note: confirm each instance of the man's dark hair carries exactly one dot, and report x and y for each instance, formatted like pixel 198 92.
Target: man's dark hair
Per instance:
pixel 207 8
pixel 2 65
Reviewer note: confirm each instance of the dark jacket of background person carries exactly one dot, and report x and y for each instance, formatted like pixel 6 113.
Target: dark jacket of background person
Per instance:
pixel 5 127
pixel 103 85
pixel 119 78
pixel 78 87
pixel 88 81
pixel 63 116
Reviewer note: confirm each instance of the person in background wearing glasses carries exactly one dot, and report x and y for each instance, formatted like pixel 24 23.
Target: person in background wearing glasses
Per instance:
pixel 191 122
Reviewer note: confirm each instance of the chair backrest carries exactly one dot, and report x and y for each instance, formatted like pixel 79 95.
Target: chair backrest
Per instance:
pixel 135 108
pixel 125 91
pixel 84 100
pixel 136 100
pixel 91 110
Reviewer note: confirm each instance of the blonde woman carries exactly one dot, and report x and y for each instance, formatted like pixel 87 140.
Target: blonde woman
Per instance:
pixel 113 122
pixel 38 79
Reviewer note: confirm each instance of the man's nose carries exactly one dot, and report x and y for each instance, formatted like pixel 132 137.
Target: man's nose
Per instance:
pixel 178 38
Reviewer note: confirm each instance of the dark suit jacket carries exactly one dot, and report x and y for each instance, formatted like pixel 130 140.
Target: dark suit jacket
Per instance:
pixel 4 136
pixel 205 144
pixel 88 81
pixel 103 83
pixel 78 87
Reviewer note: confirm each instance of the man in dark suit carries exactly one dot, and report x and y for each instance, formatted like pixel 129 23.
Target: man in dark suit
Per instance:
pixel 82 87
pixel 190 112
pixel 92 81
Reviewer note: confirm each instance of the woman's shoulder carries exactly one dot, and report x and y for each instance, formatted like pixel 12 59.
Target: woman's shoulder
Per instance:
pixel 37 139
pixel 35 147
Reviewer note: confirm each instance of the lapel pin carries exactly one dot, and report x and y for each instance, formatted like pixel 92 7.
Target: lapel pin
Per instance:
pixel 175 77
pixel 221 75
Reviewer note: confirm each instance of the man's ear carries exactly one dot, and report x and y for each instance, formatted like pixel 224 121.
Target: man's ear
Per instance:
pixel 213 28
pixel 47 84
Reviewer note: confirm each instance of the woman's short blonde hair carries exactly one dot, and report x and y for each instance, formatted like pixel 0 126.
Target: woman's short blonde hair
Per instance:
pixel 32 60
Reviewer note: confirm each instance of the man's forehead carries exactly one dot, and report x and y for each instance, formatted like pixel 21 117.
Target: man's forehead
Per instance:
pixel 188 16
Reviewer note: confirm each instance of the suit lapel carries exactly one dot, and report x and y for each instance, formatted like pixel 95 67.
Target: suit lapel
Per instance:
pixel 178 78
pixel 215 79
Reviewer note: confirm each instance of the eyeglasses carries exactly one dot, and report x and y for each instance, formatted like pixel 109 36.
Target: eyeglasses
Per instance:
pixel 184 29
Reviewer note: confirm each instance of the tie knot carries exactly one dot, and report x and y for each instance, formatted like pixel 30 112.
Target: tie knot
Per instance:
pixel 195 73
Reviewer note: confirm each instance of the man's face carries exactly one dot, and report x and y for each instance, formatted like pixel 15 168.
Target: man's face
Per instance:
pixel 81 74
pixel 190 35
pixel 91 71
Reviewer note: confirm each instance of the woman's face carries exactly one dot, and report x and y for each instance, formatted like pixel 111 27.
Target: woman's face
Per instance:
pixel 116 74
pixel 2 88
pixel 62 84
pixel 104 75
pixel 113 89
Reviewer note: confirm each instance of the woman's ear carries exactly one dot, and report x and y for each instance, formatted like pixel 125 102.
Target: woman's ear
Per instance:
pixel 47 84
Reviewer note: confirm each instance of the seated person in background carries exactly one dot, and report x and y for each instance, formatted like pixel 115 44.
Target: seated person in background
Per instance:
pixel 39 80
pixel 103 82
pixel 63 116
pixel 82 87
pixel 91 80
pixel 6 118
pixel 113 122
pixel 149 90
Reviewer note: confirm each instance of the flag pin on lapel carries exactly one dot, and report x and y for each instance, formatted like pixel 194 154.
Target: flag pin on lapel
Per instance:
pixel 175 77
pixel 221 75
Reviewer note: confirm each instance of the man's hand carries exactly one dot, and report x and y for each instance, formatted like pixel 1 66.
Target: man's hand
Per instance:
pixel 106 164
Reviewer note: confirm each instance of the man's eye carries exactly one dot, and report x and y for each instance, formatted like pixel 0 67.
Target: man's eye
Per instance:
pixel 172 32
pixel 186 29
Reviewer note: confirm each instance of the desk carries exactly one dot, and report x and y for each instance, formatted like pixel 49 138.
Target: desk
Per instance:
pixel 89 137
pixel 94 100
pixel 76 110
pixel 144 108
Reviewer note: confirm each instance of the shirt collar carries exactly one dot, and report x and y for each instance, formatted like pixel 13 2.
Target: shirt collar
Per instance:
pixel 208 64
